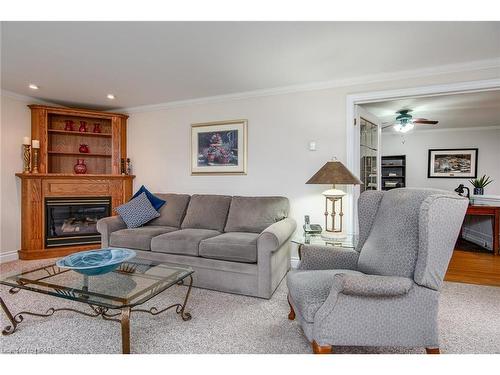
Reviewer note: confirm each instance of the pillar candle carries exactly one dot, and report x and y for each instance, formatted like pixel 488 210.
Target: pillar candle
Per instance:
pixel 26 141
pixel 35 143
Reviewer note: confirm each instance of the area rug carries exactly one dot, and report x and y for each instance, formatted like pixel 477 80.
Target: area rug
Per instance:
pixel 469 320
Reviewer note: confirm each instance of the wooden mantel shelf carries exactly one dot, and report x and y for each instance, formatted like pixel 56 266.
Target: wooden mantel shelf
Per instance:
pixel 72 175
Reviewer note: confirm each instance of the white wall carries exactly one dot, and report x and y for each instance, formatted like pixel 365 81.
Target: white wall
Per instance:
pixel 418 143
pixel 15 124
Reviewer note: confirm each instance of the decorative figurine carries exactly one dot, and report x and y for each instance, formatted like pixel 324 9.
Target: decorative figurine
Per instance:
pixel 84 149
pixel 69 125
pixel 80 167
pixel 83 127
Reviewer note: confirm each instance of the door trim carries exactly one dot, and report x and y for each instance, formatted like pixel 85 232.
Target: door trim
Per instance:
pixel 378 96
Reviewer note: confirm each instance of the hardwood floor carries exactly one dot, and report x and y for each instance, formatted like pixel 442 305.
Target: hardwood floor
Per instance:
pixel 474 268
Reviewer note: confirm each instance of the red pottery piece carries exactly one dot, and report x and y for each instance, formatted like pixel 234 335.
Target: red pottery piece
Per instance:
pixel 80 167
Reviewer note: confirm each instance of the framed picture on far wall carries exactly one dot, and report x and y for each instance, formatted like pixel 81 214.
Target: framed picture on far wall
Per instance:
pixel 219 147
pixel 452 163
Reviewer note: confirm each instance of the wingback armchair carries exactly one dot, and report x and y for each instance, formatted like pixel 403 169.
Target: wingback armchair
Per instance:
pixel 385 292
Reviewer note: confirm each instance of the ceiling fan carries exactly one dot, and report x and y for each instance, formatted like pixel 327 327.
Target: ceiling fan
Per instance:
pixel 405 122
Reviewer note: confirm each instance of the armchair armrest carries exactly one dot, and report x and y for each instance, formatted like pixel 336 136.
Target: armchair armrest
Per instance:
pixel 109 225
pixel 372 285
pixel 276 235
pixel 327 258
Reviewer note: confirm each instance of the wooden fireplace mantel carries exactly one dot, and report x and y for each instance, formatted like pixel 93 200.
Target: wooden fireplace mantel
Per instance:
pixel 35 188
pixel 58 153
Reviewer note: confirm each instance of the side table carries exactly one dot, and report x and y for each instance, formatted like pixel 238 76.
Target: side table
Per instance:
pixel 349 241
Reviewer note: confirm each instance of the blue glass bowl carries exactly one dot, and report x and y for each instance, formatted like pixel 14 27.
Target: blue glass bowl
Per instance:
pixel 96 262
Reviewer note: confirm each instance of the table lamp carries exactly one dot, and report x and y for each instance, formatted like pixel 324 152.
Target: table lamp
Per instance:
pixel 332 173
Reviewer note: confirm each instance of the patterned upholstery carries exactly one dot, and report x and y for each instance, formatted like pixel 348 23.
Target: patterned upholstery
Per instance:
pixel 137 211
pixel 390 297
pixel 392 245
pixel 326 258
pixel 310 289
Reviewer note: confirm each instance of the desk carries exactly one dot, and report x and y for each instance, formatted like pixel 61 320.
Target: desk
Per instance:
pixel 494 212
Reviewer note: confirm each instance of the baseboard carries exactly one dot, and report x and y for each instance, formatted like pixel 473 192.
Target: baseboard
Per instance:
pixel 8 256
pixel 294 262
pixel 478 238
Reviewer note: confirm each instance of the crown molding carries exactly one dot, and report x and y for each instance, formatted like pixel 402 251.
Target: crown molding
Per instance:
pixel 464 129
pixel 24 98
pixel 345 82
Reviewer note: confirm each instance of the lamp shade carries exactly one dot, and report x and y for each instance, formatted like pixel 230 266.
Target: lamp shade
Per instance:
pixel 334 172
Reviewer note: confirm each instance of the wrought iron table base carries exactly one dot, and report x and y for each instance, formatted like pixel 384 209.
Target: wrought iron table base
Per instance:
pixel 124 315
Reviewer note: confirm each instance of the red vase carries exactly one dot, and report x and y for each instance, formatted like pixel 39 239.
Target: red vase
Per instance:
pixel 83 127
pixel 69 125
pixel 80 167
pixel 97 128
pixel 84 149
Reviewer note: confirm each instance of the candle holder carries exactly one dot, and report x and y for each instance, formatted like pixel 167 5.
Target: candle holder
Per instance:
pixel 26 158
pixel 35 160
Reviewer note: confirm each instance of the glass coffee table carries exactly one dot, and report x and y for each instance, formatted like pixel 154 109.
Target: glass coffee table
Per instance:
pixel 112 296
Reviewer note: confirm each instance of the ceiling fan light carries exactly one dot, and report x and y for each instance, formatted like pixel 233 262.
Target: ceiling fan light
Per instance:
pixel 398 127
pixel 403 128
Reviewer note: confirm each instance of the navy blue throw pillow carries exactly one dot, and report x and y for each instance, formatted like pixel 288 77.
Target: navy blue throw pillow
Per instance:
pixel 156 202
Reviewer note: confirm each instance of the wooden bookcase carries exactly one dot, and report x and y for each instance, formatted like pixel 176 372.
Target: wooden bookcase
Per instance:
pixel 59 148
pixel 393 172
pixel 59 151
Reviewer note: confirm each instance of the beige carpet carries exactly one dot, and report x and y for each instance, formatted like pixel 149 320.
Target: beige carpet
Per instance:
pixel 225 323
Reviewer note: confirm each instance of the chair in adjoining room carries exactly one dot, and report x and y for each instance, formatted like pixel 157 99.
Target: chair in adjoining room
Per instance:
pixel 386 291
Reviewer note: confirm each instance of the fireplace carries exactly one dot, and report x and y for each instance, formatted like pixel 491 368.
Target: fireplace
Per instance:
pixel 73 221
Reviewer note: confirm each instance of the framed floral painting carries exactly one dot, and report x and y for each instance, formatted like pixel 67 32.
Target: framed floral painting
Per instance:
pixel 219 147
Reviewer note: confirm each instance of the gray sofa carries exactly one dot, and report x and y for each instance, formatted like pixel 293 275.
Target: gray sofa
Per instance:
pixel 234 244
pixel 384 293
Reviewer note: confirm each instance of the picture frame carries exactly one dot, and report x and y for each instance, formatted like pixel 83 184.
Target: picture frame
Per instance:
pixel 219 148
pixel 452 163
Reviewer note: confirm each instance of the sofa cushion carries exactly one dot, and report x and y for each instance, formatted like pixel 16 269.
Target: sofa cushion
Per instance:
pixel 184 241
pixel 156 202
pixel 207 212
pixel 172 212
pixel 137 238
pixel 310 289
pixel 234 246
pixel 137 211
pixel 254 214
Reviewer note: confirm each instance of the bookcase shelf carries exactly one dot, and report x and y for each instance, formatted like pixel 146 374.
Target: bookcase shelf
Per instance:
pixel 82 134
pixel 79 154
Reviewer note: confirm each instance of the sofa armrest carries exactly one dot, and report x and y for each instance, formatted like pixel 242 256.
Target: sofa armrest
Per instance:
pixel 372 285
pixel 276 235
pixel 108 225
pixel 327 258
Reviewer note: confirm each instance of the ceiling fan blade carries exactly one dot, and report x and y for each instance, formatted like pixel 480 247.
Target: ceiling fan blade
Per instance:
pixel 425 122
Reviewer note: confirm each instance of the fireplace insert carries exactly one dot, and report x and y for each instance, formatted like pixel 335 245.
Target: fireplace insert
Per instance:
pixel 73 221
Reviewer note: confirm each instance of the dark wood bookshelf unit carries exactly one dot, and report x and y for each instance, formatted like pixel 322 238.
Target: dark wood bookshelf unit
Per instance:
pixel 393 172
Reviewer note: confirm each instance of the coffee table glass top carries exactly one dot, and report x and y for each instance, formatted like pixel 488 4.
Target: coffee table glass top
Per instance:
pixel 133 283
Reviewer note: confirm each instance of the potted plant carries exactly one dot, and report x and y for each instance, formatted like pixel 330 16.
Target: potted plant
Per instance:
pixel 480 183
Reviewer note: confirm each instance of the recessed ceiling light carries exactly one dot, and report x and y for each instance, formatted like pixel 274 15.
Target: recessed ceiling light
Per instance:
pixel 33 86
pixel 110 96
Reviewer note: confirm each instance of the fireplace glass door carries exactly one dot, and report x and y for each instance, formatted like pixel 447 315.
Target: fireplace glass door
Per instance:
pixel 73 221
